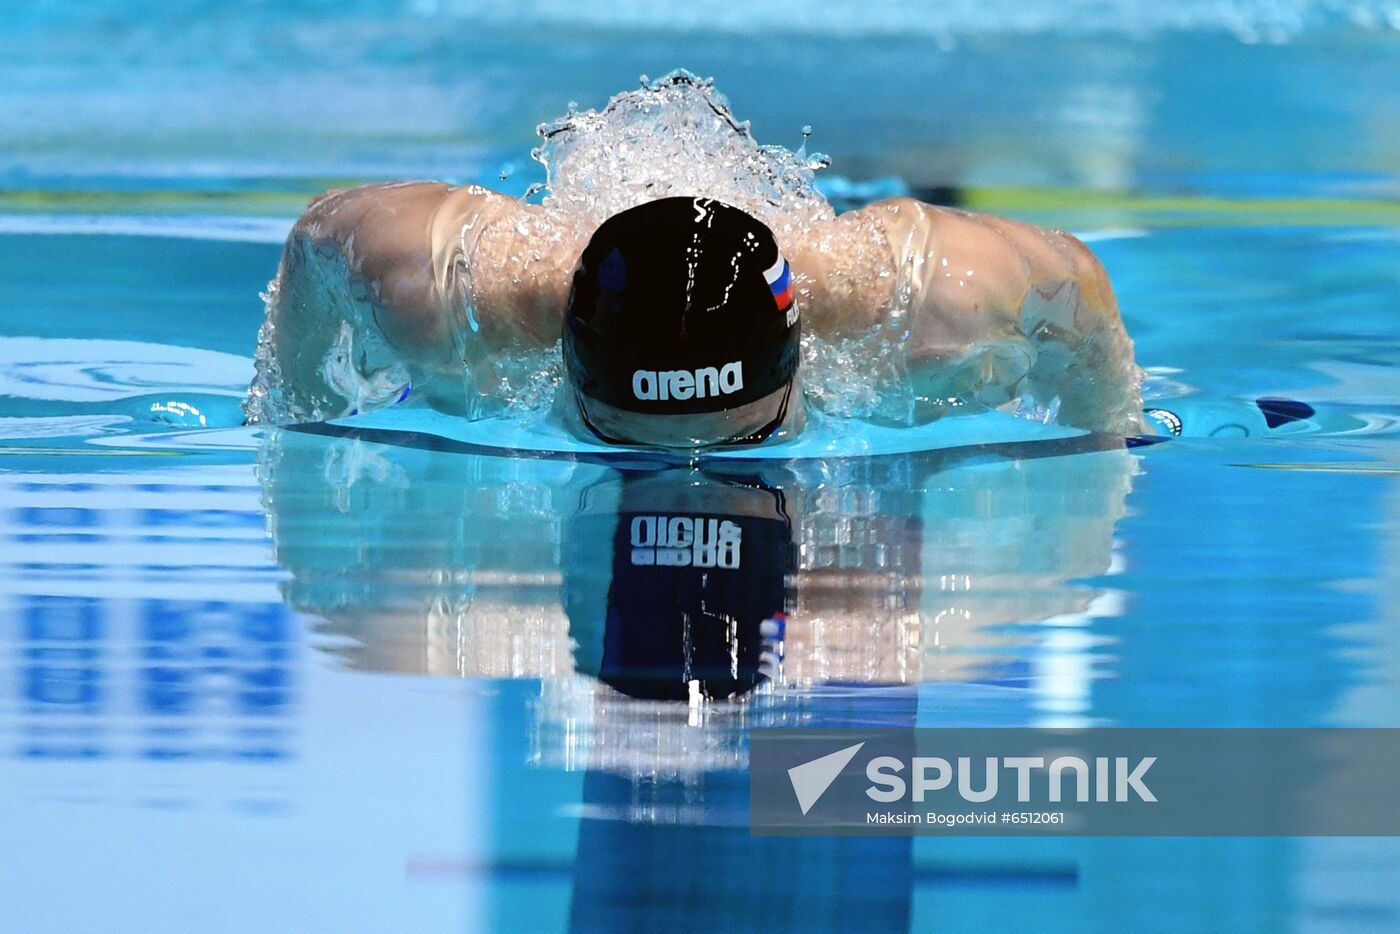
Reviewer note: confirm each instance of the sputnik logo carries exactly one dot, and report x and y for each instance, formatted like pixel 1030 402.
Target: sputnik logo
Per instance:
pixel 810 780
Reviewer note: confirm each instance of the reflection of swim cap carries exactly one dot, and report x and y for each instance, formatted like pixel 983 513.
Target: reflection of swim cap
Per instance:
pixel 668 580
pixel 680 307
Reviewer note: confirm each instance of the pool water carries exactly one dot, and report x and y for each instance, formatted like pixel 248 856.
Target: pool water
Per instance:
pixel 389 680
pixel 293 681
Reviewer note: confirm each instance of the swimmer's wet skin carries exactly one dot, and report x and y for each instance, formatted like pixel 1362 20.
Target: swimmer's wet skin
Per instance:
pixel 431 285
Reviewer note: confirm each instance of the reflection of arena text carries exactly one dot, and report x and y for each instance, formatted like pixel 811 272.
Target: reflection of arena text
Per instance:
pixel 127 643
pixel 905 568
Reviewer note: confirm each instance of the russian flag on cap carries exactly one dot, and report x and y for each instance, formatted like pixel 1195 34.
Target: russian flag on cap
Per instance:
pixel 779 277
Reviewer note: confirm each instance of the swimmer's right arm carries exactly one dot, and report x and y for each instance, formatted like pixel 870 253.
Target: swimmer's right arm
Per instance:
pixel 384 275
pixel 422 249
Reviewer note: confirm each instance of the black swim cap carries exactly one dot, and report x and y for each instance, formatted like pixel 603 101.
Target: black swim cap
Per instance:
pixel 697 564
pixel 681 306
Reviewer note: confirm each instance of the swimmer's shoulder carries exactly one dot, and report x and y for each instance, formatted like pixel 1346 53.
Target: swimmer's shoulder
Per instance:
pixel 1011 249
pixel 465 211
pixel 394 231
pixel 339 213
pixel 381 216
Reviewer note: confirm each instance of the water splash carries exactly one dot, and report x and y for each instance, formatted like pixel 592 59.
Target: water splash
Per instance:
pixel 866 376
pixel 266 403
pixel 673 136
pixel 678 136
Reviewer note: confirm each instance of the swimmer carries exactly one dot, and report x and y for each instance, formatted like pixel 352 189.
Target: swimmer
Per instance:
pixel 680 318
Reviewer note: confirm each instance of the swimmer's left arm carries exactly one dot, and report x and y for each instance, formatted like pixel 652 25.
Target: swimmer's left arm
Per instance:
pixel 1084 356
pixel 994 308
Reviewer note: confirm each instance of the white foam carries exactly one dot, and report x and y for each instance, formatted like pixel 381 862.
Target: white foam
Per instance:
pixel 674 136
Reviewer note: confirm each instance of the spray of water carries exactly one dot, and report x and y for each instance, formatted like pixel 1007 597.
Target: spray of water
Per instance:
pixel 675 136
pixel 678 136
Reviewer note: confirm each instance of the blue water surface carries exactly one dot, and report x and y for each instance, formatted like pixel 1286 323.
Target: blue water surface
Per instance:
pixel 307 681
pixel 294 681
